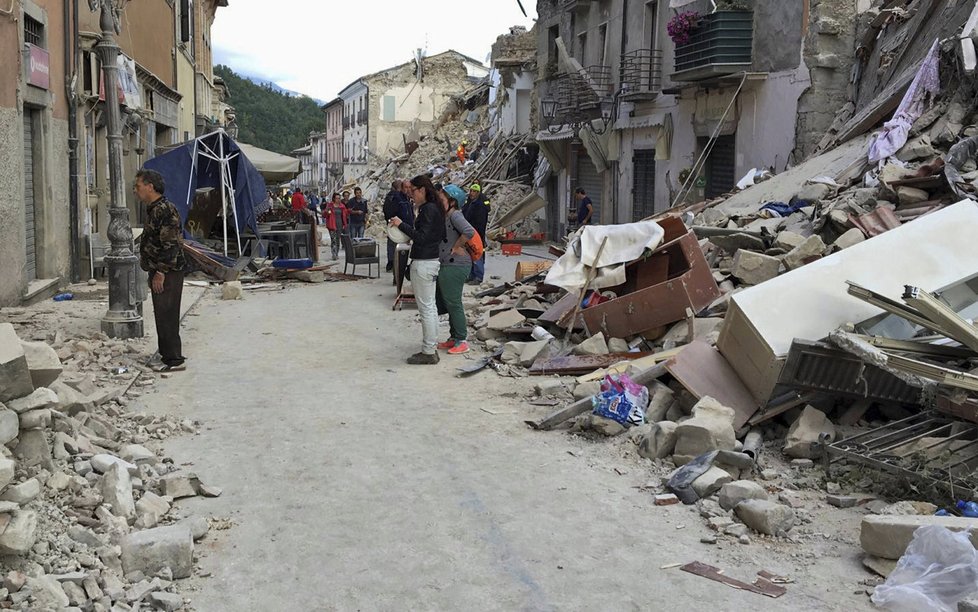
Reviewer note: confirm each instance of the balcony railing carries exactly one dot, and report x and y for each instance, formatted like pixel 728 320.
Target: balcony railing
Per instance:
pixel 641 73
pixel 362 116
pixel 580 94
pixel 721 44
pixel 346 123
pixel 575 5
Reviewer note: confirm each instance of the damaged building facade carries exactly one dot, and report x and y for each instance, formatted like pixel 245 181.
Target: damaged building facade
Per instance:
pixel 386 109
pixel 53 125
pixel 744 87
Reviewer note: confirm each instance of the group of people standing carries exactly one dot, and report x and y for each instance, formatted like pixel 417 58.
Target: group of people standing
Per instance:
pixel 341 214
pixel 441 222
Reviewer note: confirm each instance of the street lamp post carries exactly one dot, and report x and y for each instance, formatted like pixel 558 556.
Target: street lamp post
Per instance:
pixel 124 318
pixel 575 115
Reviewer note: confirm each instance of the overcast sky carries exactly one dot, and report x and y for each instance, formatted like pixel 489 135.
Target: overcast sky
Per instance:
pixel 318 48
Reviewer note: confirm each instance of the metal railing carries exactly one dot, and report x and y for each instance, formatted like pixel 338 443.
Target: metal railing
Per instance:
pixel 641 72
pixel 724 38
pixel 580 94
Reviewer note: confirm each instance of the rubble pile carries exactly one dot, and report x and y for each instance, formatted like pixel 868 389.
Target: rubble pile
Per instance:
pixel 87 520
pixel 770 331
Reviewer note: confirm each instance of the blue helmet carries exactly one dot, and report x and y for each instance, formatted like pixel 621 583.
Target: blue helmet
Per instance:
pixel 455 192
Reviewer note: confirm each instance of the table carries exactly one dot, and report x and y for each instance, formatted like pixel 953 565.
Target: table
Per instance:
pixel 405 295
pixel 288 239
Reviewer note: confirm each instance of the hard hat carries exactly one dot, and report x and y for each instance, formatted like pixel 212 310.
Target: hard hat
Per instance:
pixel 475 187
pixel 455 192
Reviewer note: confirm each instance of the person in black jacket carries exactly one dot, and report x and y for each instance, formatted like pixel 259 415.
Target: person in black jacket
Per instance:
pixel 476 212
pixel 392 206
pixel 427 233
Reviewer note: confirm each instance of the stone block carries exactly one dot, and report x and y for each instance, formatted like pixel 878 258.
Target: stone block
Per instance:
pixel 666 499
pixel 198 526
pixel 7 467
pixel 15 375
pixel 710 428
pixel 42 362
pixel 661 398
pixel 618 345
pixel 850 238
pixel 35 419
pixel 168 602
pixel 813 247
pixel 602 425
pixel 587 389
pixel 887 537
pixel 814 192
pixel 152 550
pixel 735 492
pixel 19 536
pixel 232 290
pixel 917 148
pixel 710 482
pixel 595 345
pixel 22 493
pixel 532 351
pixel 9 425
pixel 117 492
pixel 731 243
pixel 805 431
pixel 48 593
pixel 102 462
pixel 138 455
pixel 36 400
pixel 660 442
pixel 33 449
pixel 71 401
pixel 178 486
pixel 755 268
pixel 150 509
pixel 842 501
pixel 788 240
pixel 505 320
pixel 765 516
pixel 909 196
pixel 704 328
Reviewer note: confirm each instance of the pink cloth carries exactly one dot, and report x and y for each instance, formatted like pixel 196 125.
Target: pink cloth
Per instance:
pixel 926 84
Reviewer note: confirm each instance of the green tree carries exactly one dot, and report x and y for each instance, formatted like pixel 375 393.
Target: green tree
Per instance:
pixel 270 119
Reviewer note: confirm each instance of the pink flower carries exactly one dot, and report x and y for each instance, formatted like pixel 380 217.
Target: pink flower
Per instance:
pixel 681 26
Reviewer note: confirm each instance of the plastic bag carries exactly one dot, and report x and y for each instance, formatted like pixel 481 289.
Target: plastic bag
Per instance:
pixel 621 400
pixel 324 238
pixel 938 569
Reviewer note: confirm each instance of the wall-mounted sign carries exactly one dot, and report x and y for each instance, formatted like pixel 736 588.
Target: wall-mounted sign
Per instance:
pixel 39 71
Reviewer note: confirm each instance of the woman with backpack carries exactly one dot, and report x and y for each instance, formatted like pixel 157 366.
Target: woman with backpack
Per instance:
pixel 456 264
pixel 426 234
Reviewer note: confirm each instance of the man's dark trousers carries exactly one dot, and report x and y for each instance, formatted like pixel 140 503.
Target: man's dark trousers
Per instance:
pixel 166 311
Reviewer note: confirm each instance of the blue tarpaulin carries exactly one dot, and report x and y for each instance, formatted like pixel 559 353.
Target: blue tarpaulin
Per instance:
pixel 199 164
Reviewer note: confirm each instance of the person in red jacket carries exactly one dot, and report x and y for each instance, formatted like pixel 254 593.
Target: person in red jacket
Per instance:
pixel 337 218
pixel 298 204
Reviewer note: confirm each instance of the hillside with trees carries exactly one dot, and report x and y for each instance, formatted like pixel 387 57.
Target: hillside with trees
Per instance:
pixel 270 119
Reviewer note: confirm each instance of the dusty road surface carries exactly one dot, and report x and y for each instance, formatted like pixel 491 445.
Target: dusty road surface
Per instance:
pixel 353 481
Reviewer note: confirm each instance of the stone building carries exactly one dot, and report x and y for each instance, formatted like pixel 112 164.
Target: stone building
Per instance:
pixel 385 109
pixel 53 125
pixel 512 80
pixel 334 142
pixel 688 118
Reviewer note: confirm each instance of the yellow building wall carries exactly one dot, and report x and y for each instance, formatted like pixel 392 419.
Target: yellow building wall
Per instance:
pixel 185 85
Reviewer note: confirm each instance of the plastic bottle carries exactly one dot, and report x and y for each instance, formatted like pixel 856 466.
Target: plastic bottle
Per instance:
pixel 63 297
pixel 540 333
pixel 968 509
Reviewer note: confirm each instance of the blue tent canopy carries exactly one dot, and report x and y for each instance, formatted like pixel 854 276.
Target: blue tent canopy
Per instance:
pixel 212 160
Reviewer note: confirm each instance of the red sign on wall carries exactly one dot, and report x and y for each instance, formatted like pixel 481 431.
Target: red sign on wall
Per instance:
pixel 39 72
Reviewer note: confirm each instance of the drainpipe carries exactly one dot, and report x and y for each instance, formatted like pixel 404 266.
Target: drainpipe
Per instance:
pixel 71 55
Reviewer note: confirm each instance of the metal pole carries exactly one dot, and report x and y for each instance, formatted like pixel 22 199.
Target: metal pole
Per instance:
pixel 224 203
pixel 124 317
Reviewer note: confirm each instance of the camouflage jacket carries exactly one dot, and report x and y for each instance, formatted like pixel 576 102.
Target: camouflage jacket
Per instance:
pixel 160 245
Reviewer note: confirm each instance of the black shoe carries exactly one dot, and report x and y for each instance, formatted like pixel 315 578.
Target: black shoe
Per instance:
pixel 174 367
pixel 423 359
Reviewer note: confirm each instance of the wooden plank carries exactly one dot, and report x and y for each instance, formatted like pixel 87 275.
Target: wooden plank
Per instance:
pixel 640 363
pixel 583 405
pixel 580 364
pixel 703 371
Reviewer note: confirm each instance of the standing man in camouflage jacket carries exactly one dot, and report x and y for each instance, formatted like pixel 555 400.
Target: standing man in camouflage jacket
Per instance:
pixel 161 255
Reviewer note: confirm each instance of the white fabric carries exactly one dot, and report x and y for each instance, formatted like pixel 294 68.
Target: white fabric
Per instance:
pixel 424 275
pixel 626 243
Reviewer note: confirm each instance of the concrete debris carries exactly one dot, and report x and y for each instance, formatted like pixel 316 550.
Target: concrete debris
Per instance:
pixel 711 481
pixel 754 268
pixel 177 486
pixel 232 290
pixel 710 428
pixel 806 431
pixel 9 425
pixel 42 362
pixel 767 517
pixel 850 238
pixel 505 320
pixel 595 345
pixel 15 375
pixel 659 442
pixel 117 492
pixel 21 533
pixel 811 249
pixel 735 492
pixel 887 537
pixel 152 550
pixel 38 399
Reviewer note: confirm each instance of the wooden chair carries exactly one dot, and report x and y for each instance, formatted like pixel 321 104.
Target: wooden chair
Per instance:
pixel 354 259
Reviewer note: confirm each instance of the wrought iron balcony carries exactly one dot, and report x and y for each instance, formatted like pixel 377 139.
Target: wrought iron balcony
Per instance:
pixel 721 44
pixel 580 94
pixel 641 74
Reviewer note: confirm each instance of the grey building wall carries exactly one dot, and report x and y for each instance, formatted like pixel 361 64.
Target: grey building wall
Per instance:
pixel 13 279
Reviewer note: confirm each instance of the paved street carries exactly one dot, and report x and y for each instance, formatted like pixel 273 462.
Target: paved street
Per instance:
pixel 356 482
